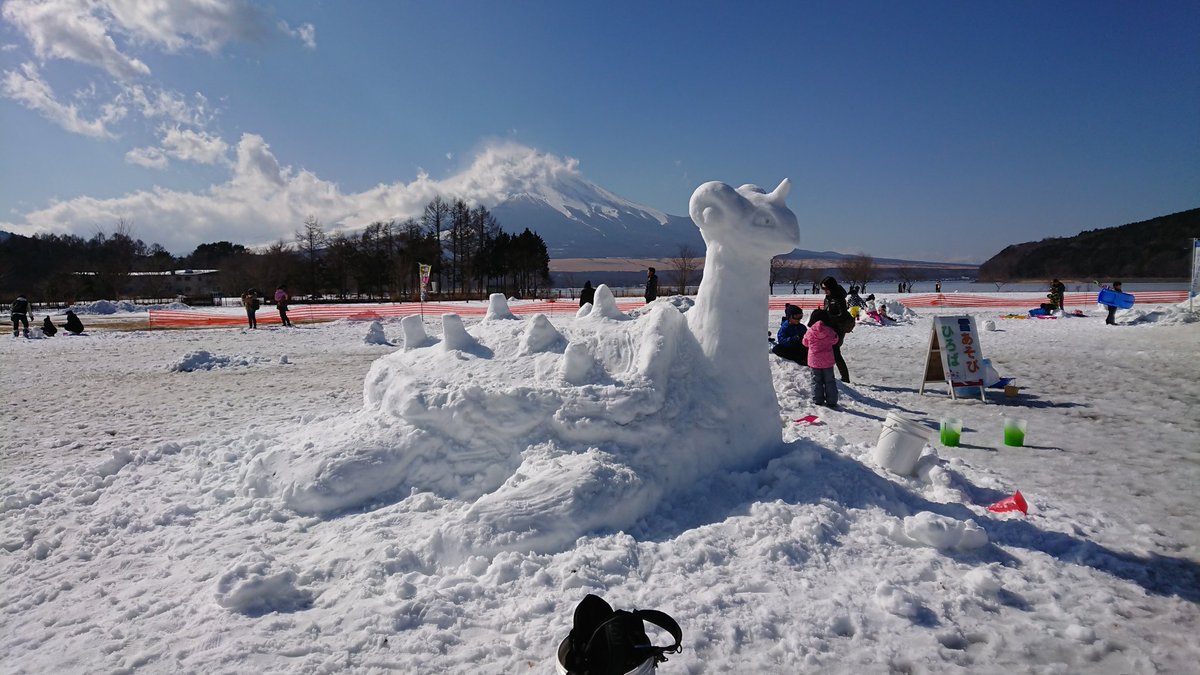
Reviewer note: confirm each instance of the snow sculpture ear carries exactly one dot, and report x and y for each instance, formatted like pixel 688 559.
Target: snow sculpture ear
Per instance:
pixel 781 192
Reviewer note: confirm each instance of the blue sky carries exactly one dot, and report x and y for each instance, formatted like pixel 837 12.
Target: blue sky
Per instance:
pixel 932 130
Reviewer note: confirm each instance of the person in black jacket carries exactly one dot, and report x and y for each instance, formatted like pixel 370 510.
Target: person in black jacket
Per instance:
pixel 48 328
pixel 20 314
pixel 651 285
pixel 73 324
pixel 839 313
pixel 587 294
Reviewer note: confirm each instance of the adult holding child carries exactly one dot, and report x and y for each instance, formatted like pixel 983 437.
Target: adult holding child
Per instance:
pixel 281 303
pixel 839 319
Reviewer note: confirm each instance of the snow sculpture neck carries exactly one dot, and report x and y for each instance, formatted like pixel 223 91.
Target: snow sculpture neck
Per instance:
pixel 743 229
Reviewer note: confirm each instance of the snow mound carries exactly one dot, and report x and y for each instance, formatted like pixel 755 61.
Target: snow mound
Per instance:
pixel 118 306
pixel 1170 315
pixel 252 586
pixel 940 532
pixel 204 360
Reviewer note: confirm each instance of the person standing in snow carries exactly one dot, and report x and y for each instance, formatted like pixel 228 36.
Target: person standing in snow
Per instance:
pixel 587 294
pixel 20 313
pixel 839 318
pixel 1111 320
pixel 820 340
pixel 651 285
pixel 250 302
pixel 1058 292
pixel 281 303
pixel 789 342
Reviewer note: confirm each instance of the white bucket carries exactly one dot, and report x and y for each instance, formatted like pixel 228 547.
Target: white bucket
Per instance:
pixel 900 444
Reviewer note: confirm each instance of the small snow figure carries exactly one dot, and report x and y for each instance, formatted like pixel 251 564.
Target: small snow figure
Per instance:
pixel 375 334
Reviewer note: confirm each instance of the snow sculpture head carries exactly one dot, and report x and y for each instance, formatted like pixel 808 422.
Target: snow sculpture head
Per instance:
pixel 753 220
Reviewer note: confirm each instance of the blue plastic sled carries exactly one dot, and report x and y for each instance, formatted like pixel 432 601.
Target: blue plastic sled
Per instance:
pixel 1115 298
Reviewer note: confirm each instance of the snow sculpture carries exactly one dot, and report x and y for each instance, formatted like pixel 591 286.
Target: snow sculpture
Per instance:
pixel 547 433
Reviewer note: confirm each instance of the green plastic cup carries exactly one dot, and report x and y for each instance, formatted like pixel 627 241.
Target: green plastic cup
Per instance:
pixel 951 431
pixel 1014 432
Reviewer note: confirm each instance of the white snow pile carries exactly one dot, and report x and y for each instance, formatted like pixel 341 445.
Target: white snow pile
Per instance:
pixel 204 360
pixel 102 307
pixel 1170 315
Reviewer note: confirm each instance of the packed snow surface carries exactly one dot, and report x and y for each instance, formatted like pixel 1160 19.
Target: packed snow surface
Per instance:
pixel 330 499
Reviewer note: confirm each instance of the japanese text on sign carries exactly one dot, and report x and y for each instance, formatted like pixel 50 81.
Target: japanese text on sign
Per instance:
pixel 961 354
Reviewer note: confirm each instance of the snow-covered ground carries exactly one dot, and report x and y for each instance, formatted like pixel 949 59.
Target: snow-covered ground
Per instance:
pixel 226 500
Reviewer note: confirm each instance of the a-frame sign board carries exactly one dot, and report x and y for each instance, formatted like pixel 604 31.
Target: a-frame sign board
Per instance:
pixel 954 355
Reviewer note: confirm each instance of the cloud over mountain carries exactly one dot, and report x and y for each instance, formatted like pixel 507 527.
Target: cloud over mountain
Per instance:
pixel 263 201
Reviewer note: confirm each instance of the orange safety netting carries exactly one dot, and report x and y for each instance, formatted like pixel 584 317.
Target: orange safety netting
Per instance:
pixel 165 318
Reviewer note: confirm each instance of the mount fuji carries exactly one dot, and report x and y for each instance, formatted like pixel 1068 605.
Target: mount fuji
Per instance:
pixel 577 218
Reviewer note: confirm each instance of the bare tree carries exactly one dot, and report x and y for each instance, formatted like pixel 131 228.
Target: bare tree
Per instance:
pixel 796 273
pixel 779 265
pixel 310 241
pixel 857 270
pixel 683 266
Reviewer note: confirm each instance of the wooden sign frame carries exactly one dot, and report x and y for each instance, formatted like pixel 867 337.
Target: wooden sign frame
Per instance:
pixel 938 365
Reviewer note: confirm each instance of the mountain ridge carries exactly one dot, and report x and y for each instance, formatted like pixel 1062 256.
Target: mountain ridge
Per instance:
pixel 1157 248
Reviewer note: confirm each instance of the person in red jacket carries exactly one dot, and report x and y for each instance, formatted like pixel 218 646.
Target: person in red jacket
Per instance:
pixel 820 340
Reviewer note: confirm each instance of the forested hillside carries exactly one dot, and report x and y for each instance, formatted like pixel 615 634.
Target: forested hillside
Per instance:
pixel 1159 248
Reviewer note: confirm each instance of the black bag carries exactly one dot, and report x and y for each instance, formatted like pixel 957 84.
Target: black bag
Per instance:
pixel 607 642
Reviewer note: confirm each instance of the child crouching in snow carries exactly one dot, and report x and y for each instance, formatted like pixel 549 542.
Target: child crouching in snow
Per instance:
pixel 820 339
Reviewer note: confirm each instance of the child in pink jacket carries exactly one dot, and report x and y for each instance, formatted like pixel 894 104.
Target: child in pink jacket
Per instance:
pixel 820 339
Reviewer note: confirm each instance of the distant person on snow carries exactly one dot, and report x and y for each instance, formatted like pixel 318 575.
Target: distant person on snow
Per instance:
pixel 1058 292
pixel 1112 309
pixel 281 303
pixel 587 294
pixel 250 302
pixel 20 314
pixel 73 325
pixel 820 340
pixel 789 342
pixel 48 328
pixel 937 287
pixel 651 285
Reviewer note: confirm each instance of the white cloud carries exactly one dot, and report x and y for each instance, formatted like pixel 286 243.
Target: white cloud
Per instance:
pixel 84 30
pixel 151 158
pixel 305 32
pixel 178 24
pixel 28 88
pixel 155 103
pixel 68 29
pixel 263 201
pixel 195 146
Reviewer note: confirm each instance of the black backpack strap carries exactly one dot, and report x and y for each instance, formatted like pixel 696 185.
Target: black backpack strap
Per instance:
pixel 665 622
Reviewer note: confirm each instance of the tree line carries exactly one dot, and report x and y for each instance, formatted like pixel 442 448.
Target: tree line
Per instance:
pixel 469 253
